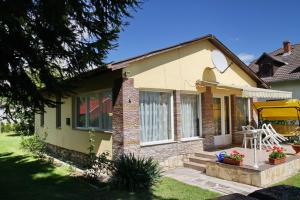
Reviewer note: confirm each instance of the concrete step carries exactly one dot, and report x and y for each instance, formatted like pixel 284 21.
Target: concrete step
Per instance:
pixel 196 166
pixel 203 155
pixel 200 160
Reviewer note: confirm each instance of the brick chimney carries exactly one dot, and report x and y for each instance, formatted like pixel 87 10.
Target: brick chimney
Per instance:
pixel 287 47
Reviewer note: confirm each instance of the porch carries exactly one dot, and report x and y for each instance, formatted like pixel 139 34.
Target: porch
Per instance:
pixel 262 176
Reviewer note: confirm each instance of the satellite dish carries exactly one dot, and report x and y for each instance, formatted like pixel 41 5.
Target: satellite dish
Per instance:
pixel 219 60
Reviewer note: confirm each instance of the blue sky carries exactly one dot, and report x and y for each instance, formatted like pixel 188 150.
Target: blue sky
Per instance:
pixel 247 27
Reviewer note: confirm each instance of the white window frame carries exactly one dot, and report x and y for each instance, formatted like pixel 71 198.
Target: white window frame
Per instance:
pixel 199 115
pixel 86 94
pixel 172 118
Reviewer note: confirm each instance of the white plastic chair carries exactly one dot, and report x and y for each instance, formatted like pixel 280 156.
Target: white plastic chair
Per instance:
pixel 276 134
pixel 270 139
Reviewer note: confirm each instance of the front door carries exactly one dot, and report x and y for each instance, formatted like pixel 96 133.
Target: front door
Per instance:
pixel 221 116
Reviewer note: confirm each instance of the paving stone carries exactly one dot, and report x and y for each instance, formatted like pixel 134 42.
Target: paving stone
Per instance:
pixel 280 192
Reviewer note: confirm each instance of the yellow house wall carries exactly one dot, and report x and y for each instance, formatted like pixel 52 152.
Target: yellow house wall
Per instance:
pixel 69 137
pixel 179 70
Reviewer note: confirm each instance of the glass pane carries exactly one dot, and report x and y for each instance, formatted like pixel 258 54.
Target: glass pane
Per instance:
pixel 189 115
pixel 155 115
pixel 242 112
pixel 94 111
pixel 227 114
pixel 106 110
pixel 81 111
pixel 217 113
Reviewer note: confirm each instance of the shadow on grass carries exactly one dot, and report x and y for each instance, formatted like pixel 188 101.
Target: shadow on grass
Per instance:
pixel 22 177
pixel 13 135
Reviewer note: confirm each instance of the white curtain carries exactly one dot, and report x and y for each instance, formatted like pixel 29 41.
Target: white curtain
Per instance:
pixel 155 115
pixel 189 115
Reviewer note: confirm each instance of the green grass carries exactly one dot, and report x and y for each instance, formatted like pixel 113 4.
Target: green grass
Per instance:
pixel 24 177
pixel 294 181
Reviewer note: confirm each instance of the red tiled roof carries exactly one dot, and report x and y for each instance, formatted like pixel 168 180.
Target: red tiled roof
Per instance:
pixel 289 70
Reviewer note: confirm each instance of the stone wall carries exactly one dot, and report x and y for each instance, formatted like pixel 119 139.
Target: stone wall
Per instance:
pixel 207 119
pixel 172 154
pixel 265 176
pixel 67 155
pixel 125 120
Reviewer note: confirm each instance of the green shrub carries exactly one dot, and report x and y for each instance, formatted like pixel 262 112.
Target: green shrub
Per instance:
pixel 34 144
pixel 134 173
pixel 7 127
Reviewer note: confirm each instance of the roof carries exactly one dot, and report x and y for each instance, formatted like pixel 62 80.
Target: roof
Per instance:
pixel 290 68
pixel 124 63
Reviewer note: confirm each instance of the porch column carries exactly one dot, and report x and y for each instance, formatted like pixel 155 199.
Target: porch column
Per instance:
pixel 207 118
pixel 177 115
pixel 125 119
pixel 237 138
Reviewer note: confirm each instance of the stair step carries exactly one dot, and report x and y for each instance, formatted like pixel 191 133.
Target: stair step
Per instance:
pixel 196 166
pixel 200 160
pixel 202 155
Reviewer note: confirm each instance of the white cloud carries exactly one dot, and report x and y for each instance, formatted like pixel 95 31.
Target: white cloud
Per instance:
pixel 246 57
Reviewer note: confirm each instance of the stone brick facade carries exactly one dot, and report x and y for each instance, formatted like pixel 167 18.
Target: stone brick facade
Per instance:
pixel 126 129
pixel 207 118
pixel 172 154
pixel 125 121
pixel 77 158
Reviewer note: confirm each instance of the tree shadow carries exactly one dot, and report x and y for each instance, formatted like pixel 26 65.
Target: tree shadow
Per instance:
pixel 22 177
pixel 13 134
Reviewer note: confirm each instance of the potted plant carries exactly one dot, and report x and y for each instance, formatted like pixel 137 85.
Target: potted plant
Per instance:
pixel 277 156
pixel 234 158
pixel 296 146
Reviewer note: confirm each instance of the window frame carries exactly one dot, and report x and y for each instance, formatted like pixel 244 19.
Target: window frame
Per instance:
pixel 172 139
pixel 249 110
pixel 86 95
pixel 58 112
pixel 199 115
pixel 42 119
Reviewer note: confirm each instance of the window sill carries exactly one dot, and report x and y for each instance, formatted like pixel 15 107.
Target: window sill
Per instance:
pixel 190 139
pixel 94 130
pixel 157 143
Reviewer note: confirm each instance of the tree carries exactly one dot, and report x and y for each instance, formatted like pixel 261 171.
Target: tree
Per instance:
pixel 44 42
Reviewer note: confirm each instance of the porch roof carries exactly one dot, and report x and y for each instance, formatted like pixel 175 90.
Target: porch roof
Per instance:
pixel 248 91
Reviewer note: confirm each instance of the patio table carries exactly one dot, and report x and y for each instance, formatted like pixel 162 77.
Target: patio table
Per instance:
pixel 255 133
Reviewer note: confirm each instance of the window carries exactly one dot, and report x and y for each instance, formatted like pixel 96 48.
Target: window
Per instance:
pixel 42 119
pixel 58 112
pixel 156 116
pixel 94 110
pixel 242 112
pixel 189 115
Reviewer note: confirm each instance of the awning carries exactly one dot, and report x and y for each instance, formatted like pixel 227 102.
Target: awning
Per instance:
pixel 266 93
pixel 260 92
pixel 278 110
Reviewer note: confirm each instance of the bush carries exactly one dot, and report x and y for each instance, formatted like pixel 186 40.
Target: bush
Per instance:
pixel 99 165
pixel 133 173
pixel 34 144
pixel 7 127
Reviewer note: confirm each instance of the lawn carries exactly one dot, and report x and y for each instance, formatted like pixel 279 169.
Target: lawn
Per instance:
pixel 24 177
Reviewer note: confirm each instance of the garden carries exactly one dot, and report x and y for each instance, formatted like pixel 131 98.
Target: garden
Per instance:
pixel 24 176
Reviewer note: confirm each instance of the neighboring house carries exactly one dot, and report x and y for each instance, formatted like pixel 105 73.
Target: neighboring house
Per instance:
pixel 168 104
pixel 280 68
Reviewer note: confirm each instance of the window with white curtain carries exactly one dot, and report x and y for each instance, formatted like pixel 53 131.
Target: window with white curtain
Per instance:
pixel 155 116
pixel 242 112
pixel 189 115
pixel 94 110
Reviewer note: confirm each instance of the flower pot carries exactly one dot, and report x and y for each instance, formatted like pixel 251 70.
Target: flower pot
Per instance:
pixel 276 161
pixel 296 148
pixel 230 161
